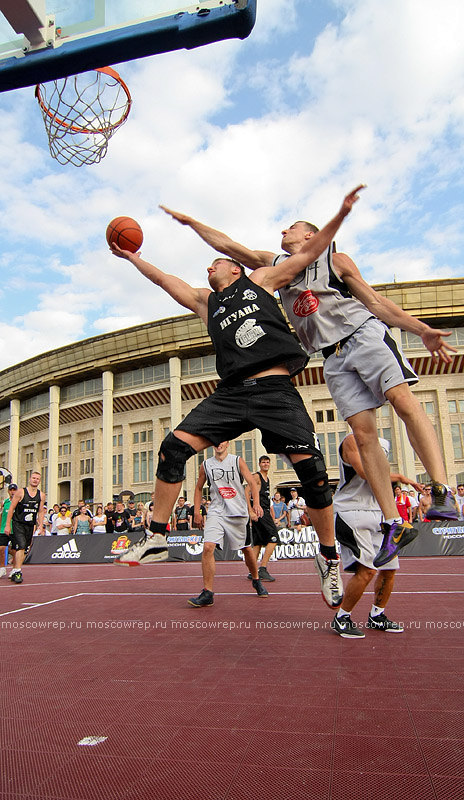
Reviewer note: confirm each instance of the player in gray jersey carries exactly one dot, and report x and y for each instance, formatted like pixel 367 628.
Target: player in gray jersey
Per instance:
pixel 332 308
pixel 357 528
pixel 227 517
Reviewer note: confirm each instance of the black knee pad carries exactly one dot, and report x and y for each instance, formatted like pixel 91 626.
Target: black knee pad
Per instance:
pixel 314 482
pixel 172 457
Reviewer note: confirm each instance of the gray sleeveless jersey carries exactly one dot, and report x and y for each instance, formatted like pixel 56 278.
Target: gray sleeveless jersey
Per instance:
pixel 225 484
pixel 353 493
pixel 320 306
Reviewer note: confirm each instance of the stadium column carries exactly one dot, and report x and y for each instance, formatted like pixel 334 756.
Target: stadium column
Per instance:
pixel 53 437
pixel 107 443
pixel 13 460
pixel 175 391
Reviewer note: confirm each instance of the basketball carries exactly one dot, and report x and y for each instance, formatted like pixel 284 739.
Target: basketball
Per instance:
pixel 126 233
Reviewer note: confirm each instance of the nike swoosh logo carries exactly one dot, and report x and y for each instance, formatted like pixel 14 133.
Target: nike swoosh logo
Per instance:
pixel 396 539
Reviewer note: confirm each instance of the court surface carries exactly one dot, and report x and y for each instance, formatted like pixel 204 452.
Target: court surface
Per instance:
pixel 251 698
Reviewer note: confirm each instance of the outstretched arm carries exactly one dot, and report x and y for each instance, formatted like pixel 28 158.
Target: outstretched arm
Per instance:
pixel 223 243
pixel 272 278
pixel 387 311
pixel 195 300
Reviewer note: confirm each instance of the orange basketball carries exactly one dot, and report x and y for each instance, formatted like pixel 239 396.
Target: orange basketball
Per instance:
pixel 126 233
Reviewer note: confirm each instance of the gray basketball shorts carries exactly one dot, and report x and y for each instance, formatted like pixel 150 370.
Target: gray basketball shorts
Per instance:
pixel 369 364
pixel 360 538
pixel 234 529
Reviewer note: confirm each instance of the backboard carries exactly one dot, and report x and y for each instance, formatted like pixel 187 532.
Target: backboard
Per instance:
pixel 43 40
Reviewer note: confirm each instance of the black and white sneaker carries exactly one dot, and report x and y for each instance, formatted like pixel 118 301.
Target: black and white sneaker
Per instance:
pixel 331 582
pixel 149 550
pixel 346 628
pixel 17 577
pixel 260 590
pixel 205 598
pixel 382 623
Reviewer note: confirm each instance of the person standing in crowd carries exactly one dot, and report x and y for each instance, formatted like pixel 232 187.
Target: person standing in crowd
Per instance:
pixel 137 521
pixel 25 515
pixel 280 510
pixel 180 517
pixel 357 528
pixel 63 522
pixel 263 528
pixel 81 509
pixel 256 356
pixel 4 539
pixel 52 518
pixel 296 507
pixel 403 503
pixel 98 523
pixel 425 502
pixel 460 499
pixel 109 514
pixel 227 517
pixel 121 518
pixel 414 505
pixel 81 522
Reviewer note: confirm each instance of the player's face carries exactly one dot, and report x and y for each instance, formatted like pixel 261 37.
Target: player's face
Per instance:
pixel 265 464
pixel 221 448
pixel 220 274
pixel 34 479
pixel 295 234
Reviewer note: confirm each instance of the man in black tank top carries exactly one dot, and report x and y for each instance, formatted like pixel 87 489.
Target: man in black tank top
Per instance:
pixel 256 356
pixel 263 529
pixel 26 512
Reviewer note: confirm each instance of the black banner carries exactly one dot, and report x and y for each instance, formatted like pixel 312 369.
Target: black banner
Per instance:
pixel 435 539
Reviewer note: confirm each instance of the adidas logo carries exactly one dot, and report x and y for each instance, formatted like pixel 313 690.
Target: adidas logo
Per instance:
pixel 67 550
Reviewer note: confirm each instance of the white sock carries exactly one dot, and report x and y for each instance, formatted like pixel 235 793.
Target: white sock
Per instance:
pixel 398 520
pixel 376 610
pixel 342 613
pixel 15 569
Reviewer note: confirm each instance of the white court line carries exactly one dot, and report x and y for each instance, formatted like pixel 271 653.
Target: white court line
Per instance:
pixel 281 575
pixel 179 594
pixel 38 605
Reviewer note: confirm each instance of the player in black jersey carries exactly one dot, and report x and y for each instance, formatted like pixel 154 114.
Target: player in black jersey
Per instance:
pixel 256 354
pixel 263 529
pixel 26 511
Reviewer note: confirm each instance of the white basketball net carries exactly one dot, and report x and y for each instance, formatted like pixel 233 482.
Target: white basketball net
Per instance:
pixel 81 113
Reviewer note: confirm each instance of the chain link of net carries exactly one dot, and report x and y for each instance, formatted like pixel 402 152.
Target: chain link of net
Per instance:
pixel 81 113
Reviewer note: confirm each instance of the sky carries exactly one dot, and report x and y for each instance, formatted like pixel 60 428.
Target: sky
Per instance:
pixel 246 136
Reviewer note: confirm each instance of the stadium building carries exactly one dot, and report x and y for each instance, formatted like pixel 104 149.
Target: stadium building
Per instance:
pixel 90 416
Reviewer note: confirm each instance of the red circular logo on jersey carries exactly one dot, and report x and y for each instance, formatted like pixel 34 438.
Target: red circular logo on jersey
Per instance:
pixel 305 304
pixel 227 492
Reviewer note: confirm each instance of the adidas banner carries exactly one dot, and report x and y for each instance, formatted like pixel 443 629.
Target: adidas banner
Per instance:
pixel 435 539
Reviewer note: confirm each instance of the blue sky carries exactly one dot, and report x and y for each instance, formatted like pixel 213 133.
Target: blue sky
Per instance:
pixel 247 136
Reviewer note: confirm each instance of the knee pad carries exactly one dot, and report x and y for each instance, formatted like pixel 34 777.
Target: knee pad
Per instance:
pixel 172 457
pixel 314 482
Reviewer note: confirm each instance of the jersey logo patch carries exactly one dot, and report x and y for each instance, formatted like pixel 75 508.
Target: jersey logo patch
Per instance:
pixel 249 294
pixel 248 333
pixel 227 492
pixel 305 304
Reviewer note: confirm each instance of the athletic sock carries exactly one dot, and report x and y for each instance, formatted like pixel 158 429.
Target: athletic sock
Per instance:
pixel 342 613
pixel 376 610
pixel 158 527
pixel 398 521
pixel 329 552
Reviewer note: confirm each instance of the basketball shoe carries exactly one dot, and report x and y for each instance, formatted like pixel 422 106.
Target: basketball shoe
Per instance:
pixel 443 505
pixel 331 582
pixel 260 590
pixel 346 628
pixel 395 537
pixel 382 623
pixel 150 549
pixel 205 598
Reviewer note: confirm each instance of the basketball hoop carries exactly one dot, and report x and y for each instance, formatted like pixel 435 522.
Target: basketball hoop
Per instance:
pixel 81 113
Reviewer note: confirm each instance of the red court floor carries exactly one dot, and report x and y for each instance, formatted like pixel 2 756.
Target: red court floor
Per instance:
pixel 251 698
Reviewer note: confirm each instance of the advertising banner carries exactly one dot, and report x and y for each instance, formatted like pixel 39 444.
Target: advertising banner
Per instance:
pixel 435 539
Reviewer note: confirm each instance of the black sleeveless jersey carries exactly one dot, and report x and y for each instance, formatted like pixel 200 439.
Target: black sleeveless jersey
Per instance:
pixel 249 332
pixel 264 493
pixel 27 509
